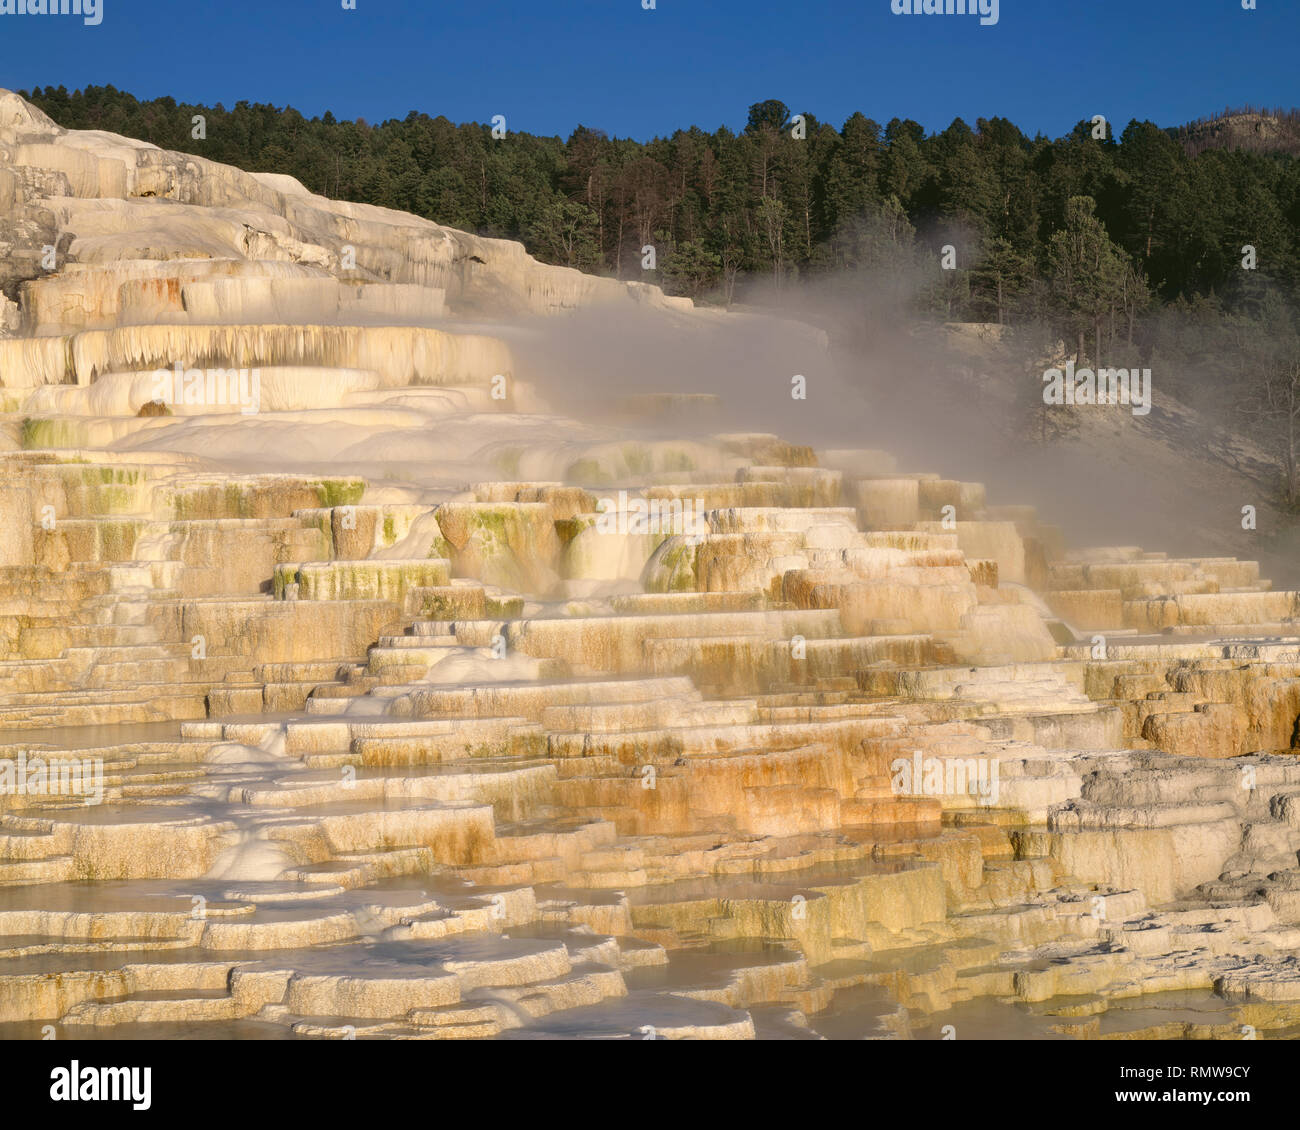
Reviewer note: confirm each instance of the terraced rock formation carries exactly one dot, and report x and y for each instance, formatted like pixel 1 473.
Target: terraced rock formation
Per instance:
pixel 395 705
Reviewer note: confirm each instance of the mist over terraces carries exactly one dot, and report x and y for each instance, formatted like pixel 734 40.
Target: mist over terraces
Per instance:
pixel 394 717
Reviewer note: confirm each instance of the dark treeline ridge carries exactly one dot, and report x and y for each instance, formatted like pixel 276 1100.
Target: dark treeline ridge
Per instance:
pixel 1131 246
pixel 762 200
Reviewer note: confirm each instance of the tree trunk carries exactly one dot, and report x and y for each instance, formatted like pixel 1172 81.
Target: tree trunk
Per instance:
pixel 600 217
pixel 1291 484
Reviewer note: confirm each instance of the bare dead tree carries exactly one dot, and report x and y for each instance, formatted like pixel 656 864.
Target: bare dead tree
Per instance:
pixel 1275 407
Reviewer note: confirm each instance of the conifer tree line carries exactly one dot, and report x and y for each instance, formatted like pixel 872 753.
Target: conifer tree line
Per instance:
pixel 767 202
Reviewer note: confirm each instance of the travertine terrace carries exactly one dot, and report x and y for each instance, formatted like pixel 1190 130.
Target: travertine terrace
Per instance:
pixel 404 733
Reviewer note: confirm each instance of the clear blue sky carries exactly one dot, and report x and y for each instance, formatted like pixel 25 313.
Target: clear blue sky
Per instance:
pixel 549 65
